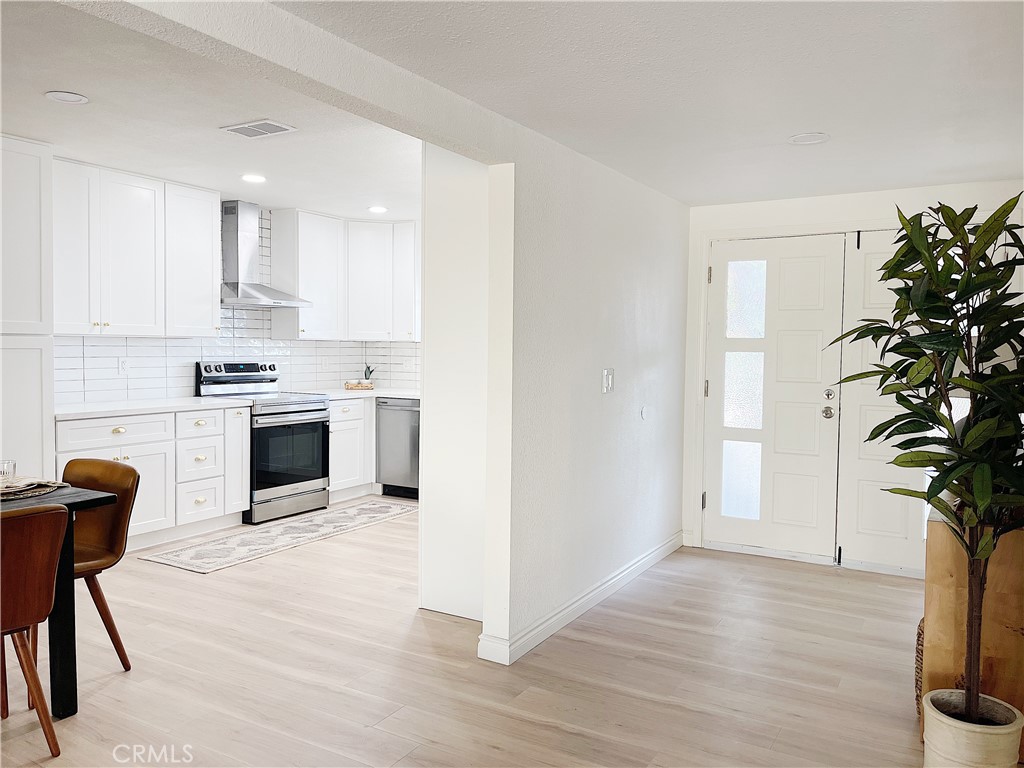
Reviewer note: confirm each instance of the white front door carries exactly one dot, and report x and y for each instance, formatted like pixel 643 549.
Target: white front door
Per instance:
pixel 771 417
pixel 876 530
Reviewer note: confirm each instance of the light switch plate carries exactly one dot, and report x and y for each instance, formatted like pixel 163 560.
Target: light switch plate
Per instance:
pixel 607 381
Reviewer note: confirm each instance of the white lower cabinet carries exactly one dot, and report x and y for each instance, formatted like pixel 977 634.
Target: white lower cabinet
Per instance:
pixel 197 476
pixel 200 500
pixel 236 460
pixel 154 505
pixel 347 453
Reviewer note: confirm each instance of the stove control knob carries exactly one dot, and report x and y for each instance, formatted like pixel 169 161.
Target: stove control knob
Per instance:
pixel 219 368
pixel 273 367
pixel 208 368
pixel 263 367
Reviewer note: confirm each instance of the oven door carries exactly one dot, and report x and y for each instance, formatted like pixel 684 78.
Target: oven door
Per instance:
pixel 289 454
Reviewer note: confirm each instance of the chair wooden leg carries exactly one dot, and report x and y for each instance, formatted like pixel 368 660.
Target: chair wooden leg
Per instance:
pixel 33 642
pixel 3 679
pixel 108 621
pixel 28 668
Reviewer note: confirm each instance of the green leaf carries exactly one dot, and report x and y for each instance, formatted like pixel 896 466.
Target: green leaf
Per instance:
pixel 986 545
pixel 885 425
pixel 981 433
pixel 920 459
pixel 859 376
pixel 945 478
pixel 920 371
pixel 983 486
pixel 943 341
pixel 971 386
pixel 989 232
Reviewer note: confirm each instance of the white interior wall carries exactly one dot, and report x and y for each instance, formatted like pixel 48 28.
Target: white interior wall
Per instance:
pixel 453 408
pixel 599 280
pixel 778 218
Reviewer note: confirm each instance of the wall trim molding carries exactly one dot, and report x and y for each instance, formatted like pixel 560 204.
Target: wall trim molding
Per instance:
pixel 507 652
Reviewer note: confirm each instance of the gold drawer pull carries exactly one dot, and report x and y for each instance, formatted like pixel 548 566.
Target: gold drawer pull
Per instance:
pixel 346 409
pixel 200 457
pixel 200 500
pixel 200 422
pixel 125 458
pixel 119 430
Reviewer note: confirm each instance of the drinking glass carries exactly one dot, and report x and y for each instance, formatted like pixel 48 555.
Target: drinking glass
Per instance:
pixel 8 468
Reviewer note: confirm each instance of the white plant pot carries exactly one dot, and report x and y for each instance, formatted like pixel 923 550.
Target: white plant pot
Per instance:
pixel 952 743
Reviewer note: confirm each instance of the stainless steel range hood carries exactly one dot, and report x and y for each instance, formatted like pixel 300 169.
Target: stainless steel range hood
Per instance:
pixel 240 241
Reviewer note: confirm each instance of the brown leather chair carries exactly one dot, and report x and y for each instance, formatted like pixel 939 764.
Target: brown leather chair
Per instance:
pixel 30 542
pixel 101 534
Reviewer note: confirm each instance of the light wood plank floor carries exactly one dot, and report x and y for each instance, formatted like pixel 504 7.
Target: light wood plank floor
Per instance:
pixel 317 656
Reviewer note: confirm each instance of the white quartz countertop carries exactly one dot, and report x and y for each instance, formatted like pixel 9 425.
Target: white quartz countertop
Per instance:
pixel 177 404
pixel 140 407
pixel 353 394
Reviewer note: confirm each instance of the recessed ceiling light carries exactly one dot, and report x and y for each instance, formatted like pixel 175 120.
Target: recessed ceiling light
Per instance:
pixel 66 97
pixel 254 178
pixel 801 139
pixel 377 209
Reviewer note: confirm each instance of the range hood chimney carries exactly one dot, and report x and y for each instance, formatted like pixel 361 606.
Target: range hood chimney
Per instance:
pixel 240 241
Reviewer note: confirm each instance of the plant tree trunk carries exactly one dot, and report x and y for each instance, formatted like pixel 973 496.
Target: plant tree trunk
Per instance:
pixel 972 662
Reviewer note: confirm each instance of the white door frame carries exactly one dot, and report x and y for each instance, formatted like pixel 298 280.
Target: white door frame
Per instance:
pixel 696 346
pixel 813 216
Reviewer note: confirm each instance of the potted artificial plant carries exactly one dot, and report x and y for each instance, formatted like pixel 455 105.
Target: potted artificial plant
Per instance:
pixel 957 330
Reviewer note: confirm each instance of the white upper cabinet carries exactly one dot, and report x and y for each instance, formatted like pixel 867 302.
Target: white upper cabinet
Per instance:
pixel 308 257
pixel 192 224
pixel 76 247
pixel 27 238
pixel 131 254
pixel 405 309
pixel 363 278
pixel 370 257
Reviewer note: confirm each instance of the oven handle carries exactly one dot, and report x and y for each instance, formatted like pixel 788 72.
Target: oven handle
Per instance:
pixel 288 418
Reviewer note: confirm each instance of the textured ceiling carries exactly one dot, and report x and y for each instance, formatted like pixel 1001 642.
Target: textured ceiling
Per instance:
pixel 698 99
pixel 155 109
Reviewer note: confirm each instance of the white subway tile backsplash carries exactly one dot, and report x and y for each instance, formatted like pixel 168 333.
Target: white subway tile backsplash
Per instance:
pixel 87 368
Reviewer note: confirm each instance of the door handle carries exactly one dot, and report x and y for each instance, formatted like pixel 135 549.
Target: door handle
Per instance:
pixel 828 412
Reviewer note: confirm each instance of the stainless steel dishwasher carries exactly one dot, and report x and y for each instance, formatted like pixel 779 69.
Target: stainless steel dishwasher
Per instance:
pixel 398 446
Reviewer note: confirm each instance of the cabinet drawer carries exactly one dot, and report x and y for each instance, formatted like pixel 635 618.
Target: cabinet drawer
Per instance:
pixel 86 434
pixel 199 500
pixel 200 423
pixel 199 458
pixel 347 410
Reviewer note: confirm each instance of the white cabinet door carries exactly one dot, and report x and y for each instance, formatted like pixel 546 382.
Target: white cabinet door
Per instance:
pixel 236 460
pixel 199 500
pixel 320 258
pixel 154 507
pixel 76 248
pixel 27 292
pixel 132 254
pixel 347 450
pixel 155 504
pixel 192 225
pixel 405 311
pixel 369 281
pixel 27 436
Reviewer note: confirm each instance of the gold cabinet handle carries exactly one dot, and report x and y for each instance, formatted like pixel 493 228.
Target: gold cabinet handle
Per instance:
pixel 96 324
pixel 125 458
pixel 302 330
pixel 119 430
pixel 346 409
pixel 239 413
pixel 200 422
pixel 116 458
pixel 200 500
pixel 200 457
pixel 106 325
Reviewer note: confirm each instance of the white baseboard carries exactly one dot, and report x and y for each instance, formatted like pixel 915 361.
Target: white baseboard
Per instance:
pixel 335 497
pixel 745 549
pixel 891 570
pixel 179 532
pixel 506 652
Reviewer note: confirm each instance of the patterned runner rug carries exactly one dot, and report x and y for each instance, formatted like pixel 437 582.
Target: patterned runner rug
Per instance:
pixel 266 539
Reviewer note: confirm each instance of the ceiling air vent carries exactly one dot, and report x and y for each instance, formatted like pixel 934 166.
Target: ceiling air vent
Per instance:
pixel 258 128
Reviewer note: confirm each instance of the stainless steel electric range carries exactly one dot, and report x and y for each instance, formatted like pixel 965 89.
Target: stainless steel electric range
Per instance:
pixel 290 437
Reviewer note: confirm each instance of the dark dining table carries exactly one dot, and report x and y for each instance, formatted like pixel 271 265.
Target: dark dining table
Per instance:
pixel 63 654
